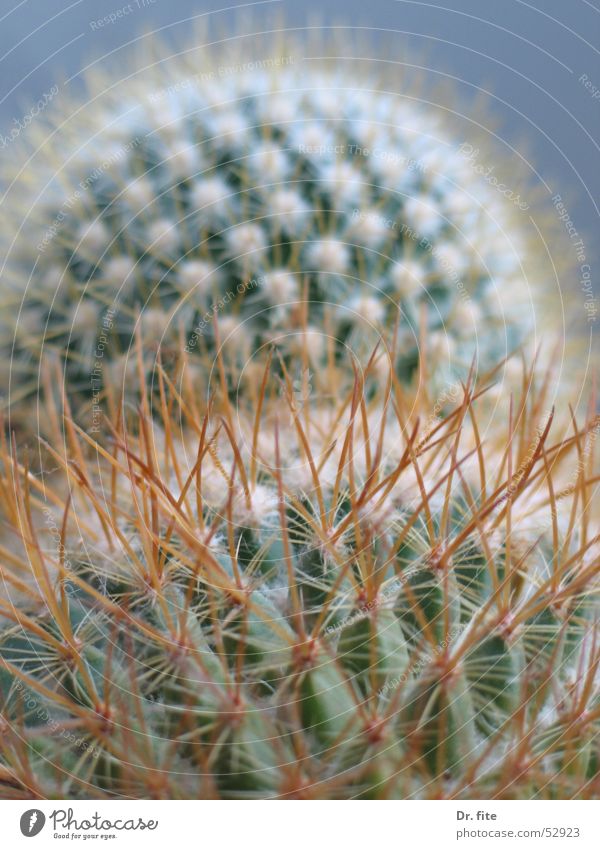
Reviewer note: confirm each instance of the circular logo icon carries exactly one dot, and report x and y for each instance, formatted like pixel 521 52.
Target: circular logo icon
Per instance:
pixel 32 822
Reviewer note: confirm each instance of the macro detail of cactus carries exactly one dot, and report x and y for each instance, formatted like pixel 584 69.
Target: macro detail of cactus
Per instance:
pixel 304 521
pixel 237 211
pixel 325 600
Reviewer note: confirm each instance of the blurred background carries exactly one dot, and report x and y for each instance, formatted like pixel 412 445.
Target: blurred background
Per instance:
pixel 535 65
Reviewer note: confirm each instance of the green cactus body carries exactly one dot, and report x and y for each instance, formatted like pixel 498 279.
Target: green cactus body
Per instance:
pixel 296 647
pixel 495 670
pixel 373 648
pixel 438 720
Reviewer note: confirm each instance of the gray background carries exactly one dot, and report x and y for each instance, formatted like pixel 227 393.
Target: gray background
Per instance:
pixel 526 57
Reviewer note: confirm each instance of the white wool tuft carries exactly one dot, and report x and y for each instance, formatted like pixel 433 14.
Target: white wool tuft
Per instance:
pixel 162 236
pixel 408 277
pixel 234 337
pixel 139 194
pixel 467 317
pixel 264 502
pixel 119 269
pixel 208 192
pixel 229 128
pixel 366 309
pixel 452 260
pixel 247 242
pixel 440 346
pixel 279 286
pixel 29 325
pixel 329 255
pixel 155 324
pixel 270 162
pixel 54 278
pixel 370 228
pixel 196 274
pixel 94 236
pixel 288 209
pixel 423 215
pixel 313 141
pixel 183 159
pixel 315 342
pixel 278 109
pixel 343 181
pixel 84 317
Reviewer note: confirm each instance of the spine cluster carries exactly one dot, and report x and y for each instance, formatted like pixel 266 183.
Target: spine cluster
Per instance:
pixel 243 211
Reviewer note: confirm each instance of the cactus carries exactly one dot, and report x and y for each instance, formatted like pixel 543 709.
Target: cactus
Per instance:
pixel 279 203
pixel 338 570
pixel 325 600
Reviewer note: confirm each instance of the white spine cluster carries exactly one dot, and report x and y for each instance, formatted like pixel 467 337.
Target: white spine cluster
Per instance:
pixel 297 181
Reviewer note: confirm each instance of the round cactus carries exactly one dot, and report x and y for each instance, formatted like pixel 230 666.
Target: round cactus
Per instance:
pixel 325 600
pixel 248 209
pixel 336 571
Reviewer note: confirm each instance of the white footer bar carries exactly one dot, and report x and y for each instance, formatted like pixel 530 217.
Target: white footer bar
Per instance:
pixel 308 825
